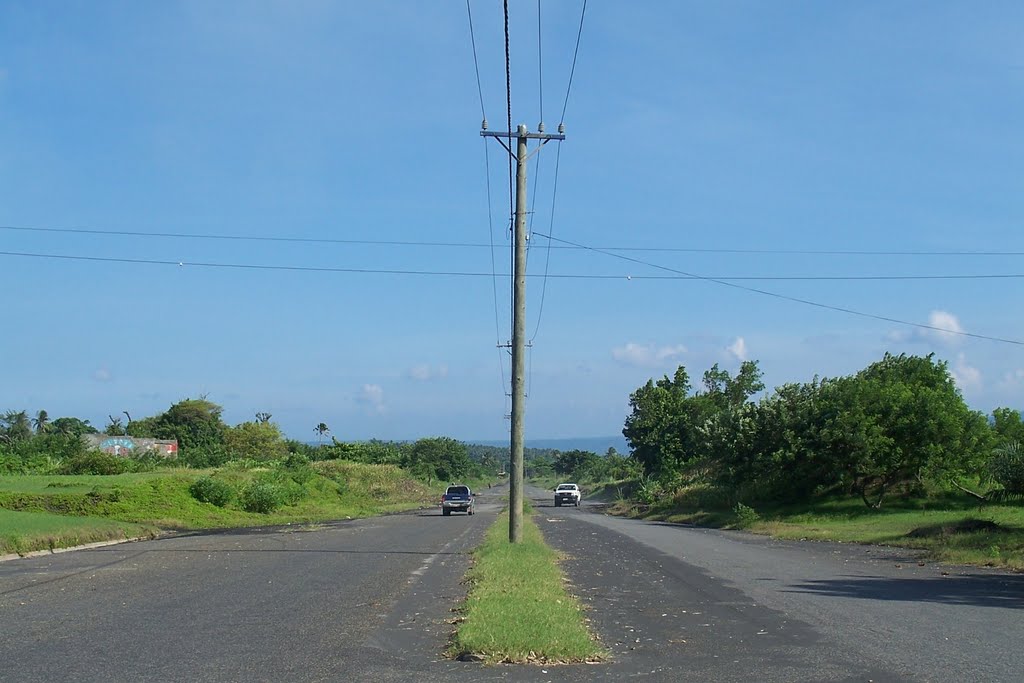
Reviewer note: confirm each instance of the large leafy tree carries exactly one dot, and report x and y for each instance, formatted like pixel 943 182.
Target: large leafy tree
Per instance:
pixel 194 422
pixel 576 463
pixel 660 428
pixel 441 457
pixel 1008 425
pixel 255 440
pixel 73 426
pixel 899 419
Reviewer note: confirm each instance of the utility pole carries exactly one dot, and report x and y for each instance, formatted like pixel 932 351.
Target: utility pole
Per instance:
pixel 515 515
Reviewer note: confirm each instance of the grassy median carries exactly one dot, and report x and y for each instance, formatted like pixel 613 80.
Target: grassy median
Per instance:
pixel 518 609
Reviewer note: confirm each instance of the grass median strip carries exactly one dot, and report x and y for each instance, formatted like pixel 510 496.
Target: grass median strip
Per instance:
pixel 518 609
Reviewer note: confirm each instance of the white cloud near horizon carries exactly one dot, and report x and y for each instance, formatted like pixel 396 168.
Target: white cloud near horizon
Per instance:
pixel 966 376
pixel 738 349
pixel 424 372
pixel 647 355
pixel 371 396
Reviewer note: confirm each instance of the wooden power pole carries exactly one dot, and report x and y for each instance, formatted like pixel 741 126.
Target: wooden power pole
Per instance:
pixel 515 515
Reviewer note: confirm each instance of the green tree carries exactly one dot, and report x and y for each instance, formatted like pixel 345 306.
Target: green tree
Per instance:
pixel 899 419
pixel 15 426
pixel 194 422
pixel 576 463
pixel 41 422
pixel 321 430
pixel 441 457
pixel 115 427
pixel 1008 425
pixel 255 440
pixel 660 428
pixel 73 426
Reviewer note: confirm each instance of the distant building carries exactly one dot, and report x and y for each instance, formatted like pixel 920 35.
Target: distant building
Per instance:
pixel 127 446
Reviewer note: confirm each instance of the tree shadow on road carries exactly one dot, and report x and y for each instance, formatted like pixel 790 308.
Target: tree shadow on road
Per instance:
pixel 978 590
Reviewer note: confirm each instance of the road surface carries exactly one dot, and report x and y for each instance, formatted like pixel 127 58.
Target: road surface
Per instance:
pixel 370 600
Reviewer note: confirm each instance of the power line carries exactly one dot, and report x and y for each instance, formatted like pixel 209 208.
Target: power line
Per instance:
pixel 511 192
pixel 494 276
pixel 476 64
pixel 480 274
pixel 480 245
pixel 776 295
pixel 575 52
pixel 547 253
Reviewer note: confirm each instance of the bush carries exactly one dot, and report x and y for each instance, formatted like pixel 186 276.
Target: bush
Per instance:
pixel 210 490
pixel 746 516
pixel 297 468
pixel 201 458
pixel 96 462
pixel 261 496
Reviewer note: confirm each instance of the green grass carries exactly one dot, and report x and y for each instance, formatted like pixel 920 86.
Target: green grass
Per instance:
pixel 518 609
pixel 338 490
pixel 24 532
pixel 949 528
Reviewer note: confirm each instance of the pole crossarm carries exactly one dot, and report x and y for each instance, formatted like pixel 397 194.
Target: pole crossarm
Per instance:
pixel 528 136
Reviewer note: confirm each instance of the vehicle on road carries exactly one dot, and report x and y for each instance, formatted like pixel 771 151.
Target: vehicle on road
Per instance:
pixel 457 498
pixel 567 494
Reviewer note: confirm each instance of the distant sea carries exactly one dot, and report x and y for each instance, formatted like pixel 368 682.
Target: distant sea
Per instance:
pixel 597 444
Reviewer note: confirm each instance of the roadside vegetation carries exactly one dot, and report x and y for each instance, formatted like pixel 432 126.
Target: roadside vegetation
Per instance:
pixel 891 454
pixel 55 491
pixel 518 609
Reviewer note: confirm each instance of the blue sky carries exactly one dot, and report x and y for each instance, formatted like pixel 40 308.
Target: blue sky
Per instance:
pixel 870 126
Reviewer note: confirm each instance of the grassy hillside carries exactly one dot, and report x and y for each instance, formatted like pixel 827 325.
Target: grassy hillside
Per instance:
pixel 47 511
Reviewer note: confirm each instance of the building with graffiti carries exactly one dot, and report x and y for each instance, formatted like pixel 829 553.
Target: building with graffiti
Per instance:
pixel 128 446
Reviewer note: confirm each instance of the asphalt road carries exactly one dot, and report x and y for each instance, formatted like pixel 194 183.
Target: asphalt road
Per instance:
pixel 747 608
pixel 370 600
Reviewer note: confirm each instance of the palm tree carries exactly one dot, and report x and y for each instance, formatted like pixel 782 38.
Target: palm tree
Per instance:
pixel 41 422
pixel 321 430
pixel 18 426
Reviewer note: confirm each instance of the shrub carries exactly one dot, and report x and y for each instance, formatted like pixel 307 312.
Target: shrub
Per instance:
pixel 210 490
pixel 261 496
pixel 96 462
pixel 746 516
pixel 297 468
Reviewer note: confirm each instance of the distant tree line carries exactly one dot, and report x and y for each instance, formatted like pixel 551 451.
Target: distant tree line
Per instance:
pixel 43 445
pixel 899 424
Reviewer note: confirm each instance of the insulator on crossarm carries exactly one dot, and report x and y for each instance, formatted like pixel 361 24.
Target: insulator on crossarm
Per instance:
pixel 540 127
pixel 483 125
pixel 561 129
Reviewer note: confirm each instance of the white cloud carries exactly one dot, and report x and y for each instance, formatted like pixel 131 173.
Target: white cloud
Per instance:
pixel 948 332
pixel 372 397
pixel 102 374
pixel 966 376
pixel 738 348
pixel 647 355
pixel 425 373
pixel 1013 378
pixel 945 321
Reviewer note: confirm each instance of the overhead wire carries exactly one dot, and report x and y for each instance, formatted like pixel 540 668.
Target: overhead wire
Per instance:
pixel 680 275
pixel 476 63
pixel 511 192
pixel 490 205
pixel 807 302
pixel 481 245
pixel 575 53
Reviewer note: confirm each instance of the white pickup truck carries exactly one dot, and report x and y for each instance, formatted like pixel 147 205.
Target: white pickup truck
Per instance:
pixel 567 494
